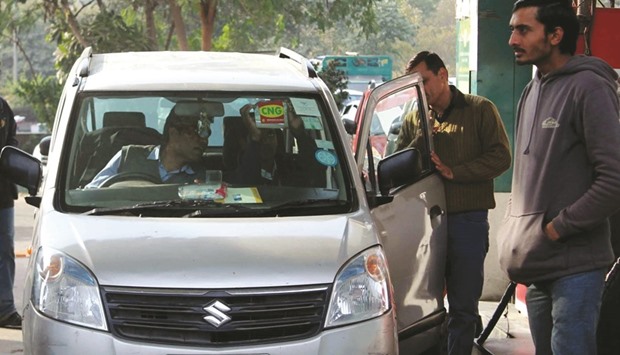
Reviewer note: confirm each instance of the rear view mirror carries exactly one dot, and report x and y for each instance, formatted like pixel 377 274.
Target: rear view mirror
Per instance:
pixel 21 168
pixel 199 108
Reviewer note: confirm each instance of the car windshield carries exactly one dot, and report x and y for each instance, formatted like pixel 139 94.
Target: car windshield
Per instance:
pixel 203 154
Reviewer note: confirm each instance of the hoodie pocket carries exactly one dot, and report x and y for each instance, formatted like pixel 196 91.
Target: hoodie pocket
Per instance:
pixel 525 252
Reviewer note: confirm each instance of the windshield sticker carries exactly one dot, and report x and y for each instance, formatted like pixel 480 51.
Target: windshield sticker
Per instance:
pixel 305 107
pixel 326 157
pixel 324 144
pixel 312 122
pixel 270 113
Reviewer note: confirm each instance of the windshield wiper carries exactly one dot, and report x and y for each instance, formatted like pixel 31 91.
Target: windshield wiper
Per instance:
pixel 296 207
pixel 210 208
pixel 139 208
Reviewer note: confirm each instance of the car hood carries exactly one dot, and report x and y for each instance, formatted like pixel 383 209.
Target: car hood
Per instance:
pixel 209 253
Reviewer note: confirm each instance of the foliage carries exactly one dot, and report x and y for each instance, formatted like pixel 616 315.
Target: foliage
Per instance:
pixel 438 33
pixel 398 28
pixel 42 93
pixel 336 80
pixel 105 32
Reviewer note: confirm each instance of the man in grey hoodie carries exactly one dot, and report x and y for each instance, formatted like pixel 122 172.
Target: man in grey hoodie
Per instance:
pixel 566 180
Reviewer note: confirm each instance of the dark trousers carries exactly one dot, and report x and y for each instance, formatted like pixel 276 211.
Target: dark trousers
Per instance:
pixel 7 261
pixel 468 243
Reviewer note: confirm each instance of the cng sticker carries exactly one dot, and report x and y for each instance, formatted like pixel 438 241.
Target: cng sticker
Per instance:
pixel 271 112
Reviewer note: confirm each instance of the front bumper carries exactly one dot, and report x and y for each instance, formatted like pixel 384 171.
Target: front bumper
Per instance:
pixel 43 335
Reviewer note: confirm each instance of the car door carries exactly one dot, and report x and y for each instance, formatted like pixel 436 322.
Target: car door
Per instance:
pixel 412 225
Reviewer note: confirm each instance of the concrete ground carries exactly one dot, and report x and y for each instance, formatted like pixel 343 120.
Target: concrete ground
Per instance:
pixel 511 334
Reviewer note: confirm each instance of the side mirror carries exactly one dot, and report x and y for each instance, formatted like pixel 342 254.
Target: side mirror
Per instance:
pixel 44 145
pixel 349 126
pixel 21 168
pixel 395 128
pixel 398 169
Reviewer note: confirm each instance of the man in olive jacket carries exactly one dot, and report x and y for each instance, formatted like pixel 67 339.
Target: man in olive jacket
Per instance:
pixel 471 149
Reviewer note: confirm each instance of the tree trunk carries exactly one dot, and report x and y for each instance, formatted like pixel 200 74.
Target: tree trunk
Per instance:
pixel 179 25
pixel 208 9
pixel 149 18
pixel 73 24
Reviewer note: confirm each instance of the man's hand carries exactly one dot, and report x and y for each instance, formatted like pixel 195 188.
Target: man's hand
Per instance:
pixel 295 123
pixel 443 169
pixel 249 122
pixel 551 232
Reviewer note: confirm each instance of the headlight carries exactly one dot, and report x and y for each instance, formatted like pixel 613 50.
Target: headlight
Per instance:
pixel 360 290
pixel 65 290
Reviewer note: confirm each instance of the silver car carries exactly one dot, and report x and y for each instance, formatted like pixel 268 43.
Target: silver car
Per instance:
pixel 335 250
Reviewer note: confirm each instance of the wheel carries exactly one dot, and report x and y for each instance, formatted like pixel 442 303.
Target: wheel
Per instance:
pixel 130 178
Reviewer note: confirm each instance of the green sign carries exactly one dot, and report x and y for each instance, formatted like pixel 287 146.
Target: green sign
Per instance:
pixel 361 65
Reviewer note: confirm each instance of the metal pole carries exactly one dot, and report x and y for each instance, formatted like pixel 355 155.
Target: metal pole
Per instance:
pixel 510 290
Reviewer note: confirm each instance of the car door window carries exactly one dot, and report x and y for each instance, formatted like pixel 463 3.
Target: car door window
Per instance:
pixel 402 106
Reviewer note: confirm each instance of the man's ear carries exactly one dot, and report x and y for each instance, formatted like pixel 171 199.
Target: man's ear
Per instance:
pixel 443 74
pixel 556 36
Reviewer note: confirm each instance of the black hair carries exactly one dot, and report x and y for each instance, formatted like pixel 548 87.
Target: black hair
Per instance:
pixel 432 60
pixel 553 14
pixel 176 121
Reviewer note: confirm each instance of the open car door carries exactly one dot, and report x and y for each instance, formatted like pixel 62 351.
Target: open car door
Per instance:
pixel 408 203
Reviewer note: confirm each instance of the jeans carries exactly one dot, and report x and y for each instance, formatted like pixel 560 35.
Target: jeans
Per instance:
pixel 7 261
pixel 468 244
pixel 563 313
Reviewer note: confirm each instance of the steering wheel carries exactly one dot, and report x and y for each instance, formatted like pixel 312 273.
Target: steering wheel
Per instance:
pixel 130 178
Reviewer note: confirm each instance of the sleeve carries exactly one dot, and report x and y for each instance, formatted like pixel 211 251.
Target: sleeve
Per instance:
pixel 410 131
pixel 601 134
pixel 496 157
pixel 11 138
pixel 110 169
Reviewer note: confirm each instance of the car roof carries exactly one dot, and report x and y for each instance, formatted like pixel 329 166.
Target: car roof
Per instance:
pixel 199 70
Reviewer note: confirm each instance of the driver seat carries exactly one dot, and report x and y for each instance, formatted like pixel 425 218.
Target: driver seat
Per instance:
pixel 99 146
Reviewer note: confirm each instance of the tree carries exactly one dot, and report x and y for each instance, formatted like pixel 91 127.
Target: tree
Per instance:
pixel 437 32
pixel 43 93
pixel 111 26
pixel 336 80
pixel 208 9
pixel 241 25
pixel 21 27
pixel 398 28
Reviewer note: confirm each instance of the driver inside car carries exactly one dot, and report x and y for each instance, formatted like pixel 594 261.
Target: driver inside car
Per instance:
pixel 178 160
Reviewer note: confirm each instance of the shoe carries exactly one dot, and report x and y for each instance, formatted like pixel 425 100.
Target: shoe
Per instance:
pixel 14 321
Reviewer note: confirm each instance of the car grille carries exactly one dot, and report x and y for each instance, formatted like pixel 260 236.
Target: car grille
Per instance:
pixel 178 317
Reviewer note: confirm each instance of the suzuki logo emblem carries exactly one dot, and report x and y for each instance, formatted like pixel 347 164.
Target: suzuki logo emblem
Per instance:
pixel 217 313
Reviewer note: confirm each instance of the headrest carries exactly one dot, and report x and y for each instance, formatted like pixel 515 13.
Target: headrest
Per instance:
pixel 124 119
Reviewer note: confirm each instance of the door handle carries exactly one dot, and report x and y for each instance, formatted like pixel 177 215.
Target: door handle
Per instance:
pixel 435 211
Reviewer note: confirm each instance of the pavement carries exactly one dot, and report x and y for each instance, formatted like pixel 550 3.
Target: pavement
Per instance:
pixel 510 336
